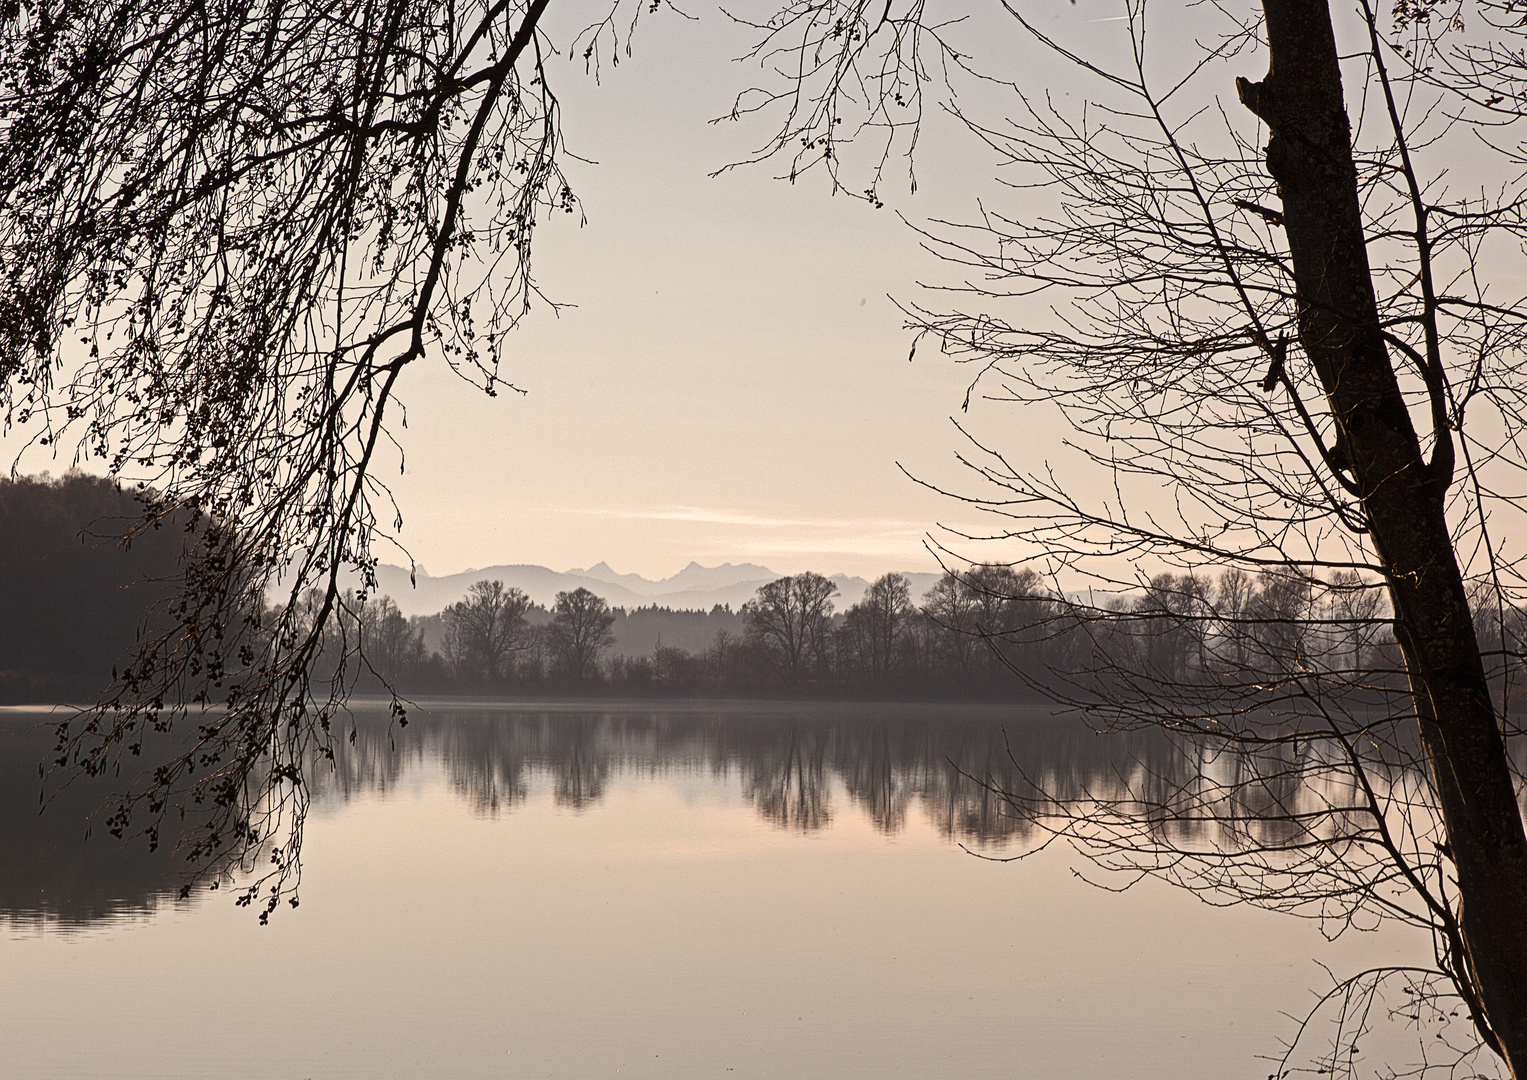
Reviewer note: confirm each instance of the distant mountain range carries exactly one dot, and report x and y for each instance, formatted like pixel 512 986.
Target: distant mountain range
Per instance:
pixel 695 587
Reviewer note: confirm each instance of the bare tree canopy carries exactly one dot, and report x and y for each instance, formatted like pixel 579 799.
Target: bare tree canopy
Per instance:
pixel 580 633
pixel 1279 314
pixel 879 621
pixel 1279 336
pixel 1277 329
pixel 227 231
pixel 789 618
pixel 485 629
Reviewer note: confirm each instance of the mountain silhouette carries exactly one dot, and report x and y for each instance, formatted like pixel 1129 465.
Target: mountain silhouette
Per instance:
pixel 693 578
pixel 695 587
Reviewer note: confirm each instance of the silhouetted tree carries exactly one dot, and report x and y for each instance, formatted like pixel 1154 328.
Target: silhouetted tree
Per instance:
pixel 951 608
pixel 673 667
pixel 790 618
pixel 580 633
pixel 878 622
pixel 1356 604
pixel 235 252
pixel 1171 625
pixel 536 659
pixel 365 642
pixel 484 630
pixel 205 230
pixel 1294 361
pixel 391 644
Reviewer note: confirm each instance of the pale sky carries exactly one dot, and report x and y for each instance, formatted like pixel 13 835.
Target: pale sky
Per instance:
pixel 732 383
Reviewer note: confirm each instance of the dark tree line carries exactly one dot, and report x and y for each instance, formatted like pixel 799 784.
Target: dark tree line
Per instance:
pixel 76 596
pixel 1279 340
pixel 490 641
pixel 74 592
pixel 991 631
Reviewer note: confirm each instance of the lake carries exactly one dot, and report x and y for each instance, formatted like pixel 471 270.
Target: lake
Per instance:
pixel 648 889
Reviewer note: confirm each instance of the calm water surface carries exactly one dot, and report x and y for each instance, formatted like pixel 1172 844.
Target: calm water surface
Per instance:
pixel 704 890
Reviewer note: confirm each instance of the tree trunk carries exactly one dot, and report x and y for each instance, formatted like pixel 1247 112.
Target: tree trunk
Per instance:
pixel 1309 154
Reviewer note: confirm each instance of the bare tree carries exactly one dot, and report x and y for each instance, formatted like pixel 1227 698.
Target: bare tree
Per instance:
pixel 580 633
pixel 880 620
pixel 950 607
pixel 388 642
pixel 536 657
pixel 227 231
pixel 235 251
pixel 1356 604
pixel 790 617
pixel 484 630
pixel 1283 346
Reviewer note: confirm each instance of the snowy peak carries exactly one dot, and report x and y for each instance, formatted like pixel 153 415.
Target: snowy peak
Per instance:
pixel 694 578
pixel 603 572
pixel 697 577
pixel 695 587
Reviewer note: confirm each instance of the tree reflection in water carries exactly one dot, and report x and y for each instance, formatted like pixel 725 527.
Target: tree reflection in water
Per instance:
pixel 958 766
pixel 791 761
pixel 953 763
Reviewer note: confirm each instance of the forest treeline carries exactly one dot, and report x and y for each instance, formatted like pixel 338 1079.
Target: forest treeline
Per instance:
pixel 73 592
pixel 74 597
pixel 990 632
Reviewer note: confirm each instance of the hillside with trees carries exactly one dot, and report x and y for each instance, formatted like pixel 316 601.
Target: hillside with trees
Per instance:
pixel 74 590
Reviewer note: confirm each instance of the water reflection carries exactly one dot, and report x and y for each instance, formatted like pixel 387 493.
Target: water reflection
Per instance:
pixel 797 765
pixel 888 760
pixel 48 869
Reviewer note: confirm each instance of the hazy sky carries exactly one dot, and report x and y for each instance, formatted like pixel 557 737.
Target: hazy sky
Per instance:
pixel 733 381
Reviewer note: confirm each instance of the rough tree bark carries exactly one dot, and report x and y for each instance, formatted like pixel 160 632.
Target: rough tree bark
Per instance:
pixel 1309 154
